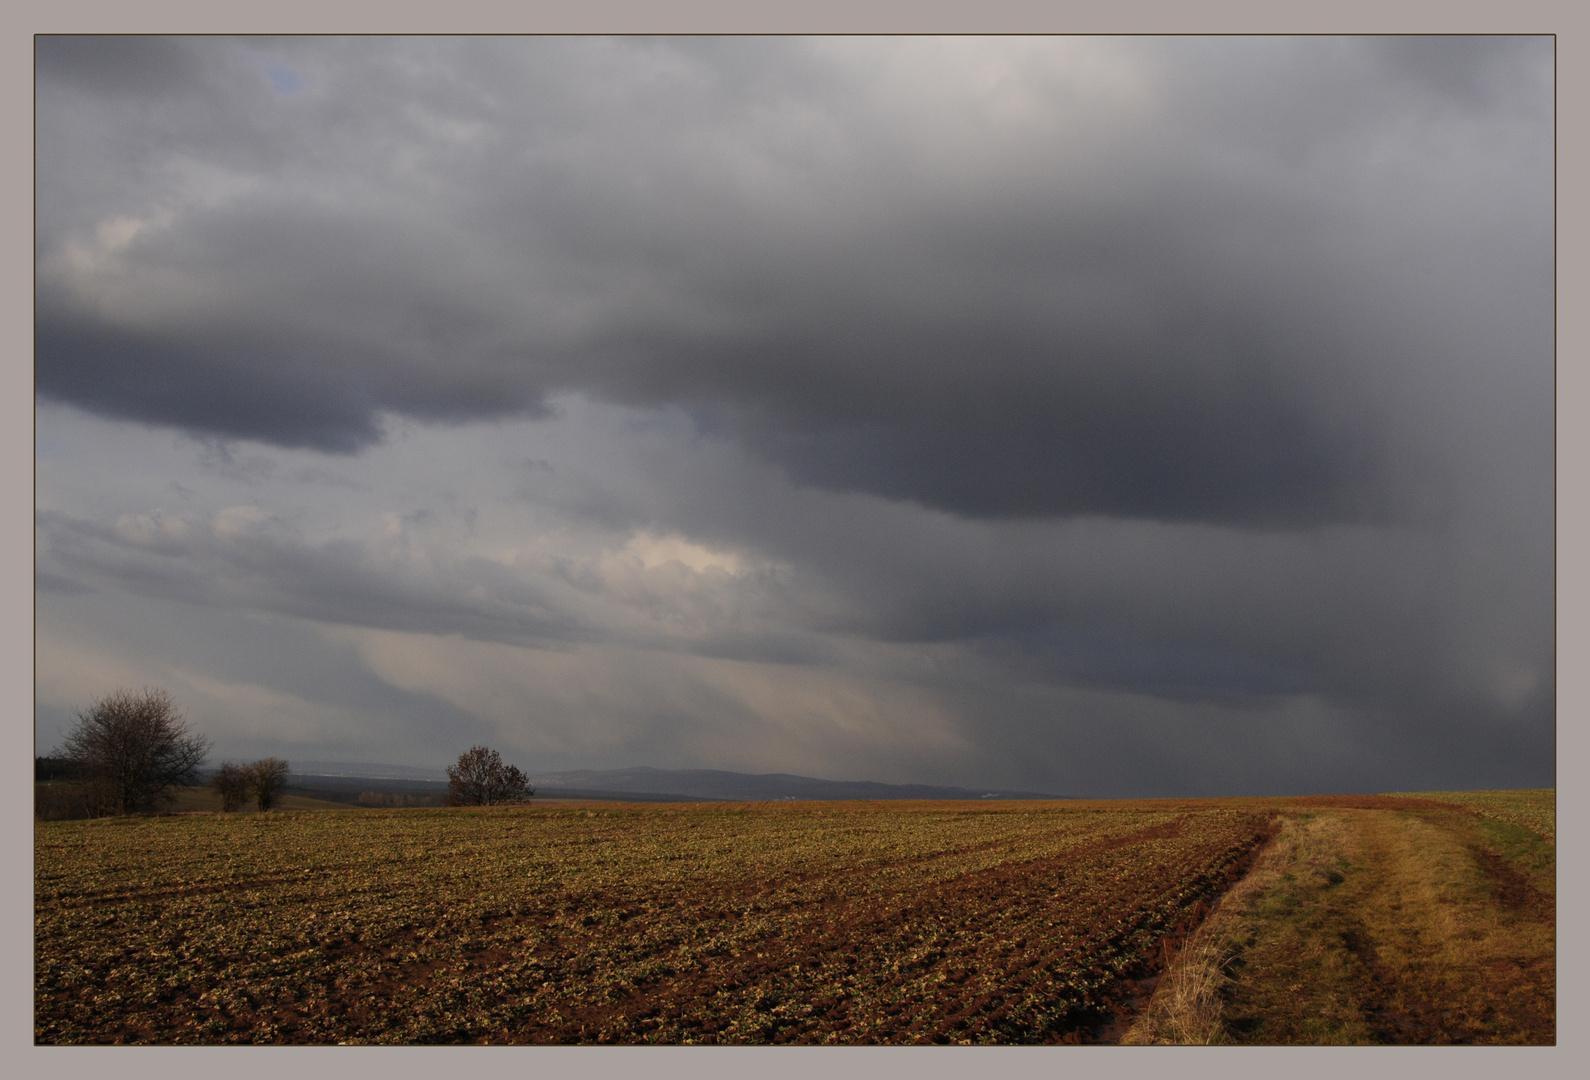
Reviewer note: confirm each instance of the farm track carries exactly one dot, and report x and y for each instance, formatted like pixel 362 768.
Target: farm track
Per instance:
pixel 870 923
pixel 1407 924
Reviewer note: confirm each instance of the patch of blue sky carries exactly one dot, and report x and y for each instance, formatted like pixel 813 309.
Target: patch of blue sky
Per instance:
pixel 284 80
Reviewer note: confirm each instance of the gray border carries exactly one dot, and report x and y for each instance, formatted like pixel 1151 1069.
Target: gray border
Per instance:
pixel 23 18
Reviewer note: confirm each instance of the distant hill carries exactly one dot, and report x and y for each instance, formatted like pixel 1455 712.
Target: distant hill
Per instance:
pixel 367 770
pixel 751 787
pixel 641 784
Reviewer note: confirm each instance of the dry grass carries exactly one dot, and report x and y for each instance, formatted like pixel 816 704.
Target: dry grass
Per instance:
pixel 1187 1007
pixel 1373 926
pixel 1532 809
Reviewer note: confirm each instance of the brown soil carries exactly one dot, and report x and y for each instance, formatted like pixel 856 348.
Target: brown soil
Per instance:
pixel 844 929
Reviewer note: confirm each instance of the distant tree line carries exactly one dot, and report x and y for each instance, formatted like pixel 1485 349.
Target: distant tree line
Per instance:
pixel 263 781
pixel 398 798
pixel 131 752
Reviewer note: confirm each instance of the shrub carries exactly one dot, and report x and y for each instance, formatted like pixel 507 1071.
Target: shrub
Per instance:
pixel 232 783
pixel 130 751
pixel 267 778
pixel 481 779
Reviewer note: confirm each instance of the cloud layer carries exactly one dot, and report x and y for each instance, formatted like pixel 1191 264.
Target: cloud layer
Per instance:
pixel 1142 392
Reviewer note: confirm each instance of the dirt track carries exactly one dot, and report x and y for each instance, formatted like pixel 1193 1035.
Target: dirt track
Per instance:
pixel 1409 923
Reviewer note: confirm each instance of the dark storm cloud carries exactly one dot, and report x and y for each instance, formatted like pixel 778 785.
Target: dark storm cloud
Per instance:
pixel 1414 626
pixel 1171 292
pixel 1108 746
pixel 220 386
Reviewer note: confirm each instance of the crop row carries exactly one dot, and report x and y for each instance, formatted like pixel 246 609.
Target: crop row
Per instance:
pixel 811 923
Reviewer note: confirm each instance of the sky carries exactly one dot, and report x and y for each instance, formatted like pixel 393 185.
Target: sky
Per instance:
pixel 1101 416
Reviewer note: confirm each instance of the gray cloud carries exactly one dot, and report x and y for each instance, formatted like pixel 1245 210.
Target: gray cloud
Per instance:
pixel 1092 397
pixel 1170 304
pixel 241 563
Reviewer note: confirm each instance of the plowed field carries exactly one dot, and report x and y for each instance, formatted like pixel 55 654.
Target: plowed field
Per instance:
pixel 701 923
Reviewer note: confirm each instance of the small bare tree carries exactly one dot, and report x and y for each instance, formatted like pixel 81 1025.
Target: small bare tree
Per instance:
pixel 232 783
pixel 132 750
pixel 481 779
pixel 267 777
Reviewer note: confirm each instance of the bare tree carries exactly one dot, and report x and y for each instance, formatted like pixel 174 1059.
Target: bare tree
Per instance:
pixel 131 750
pixel 267 777
pixel 232 783
pixel 481 779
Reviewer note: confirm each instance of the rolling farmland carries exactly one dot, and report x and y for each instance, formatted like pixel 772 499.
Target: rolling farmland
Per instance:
pixel 853 923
